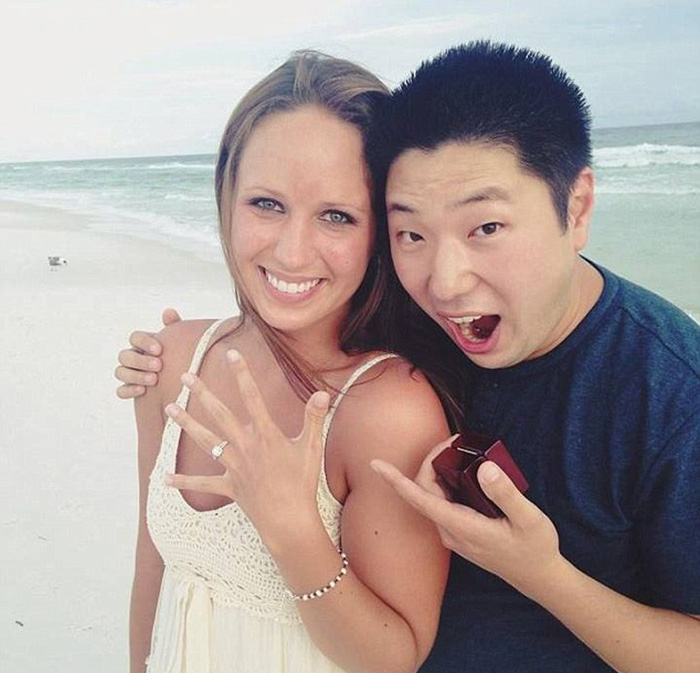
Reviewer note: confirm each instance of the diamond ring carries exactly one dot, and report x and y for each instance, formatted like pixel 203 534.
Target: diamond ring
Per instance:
pixel 218 450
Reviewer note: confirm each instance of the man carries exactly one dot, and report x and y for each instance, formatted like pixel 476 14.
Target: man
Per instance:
pixel 592 382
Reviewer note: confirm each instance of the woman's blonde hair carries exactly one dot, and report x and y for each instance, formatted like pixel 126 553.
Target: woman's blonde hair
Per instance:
pixel 350 93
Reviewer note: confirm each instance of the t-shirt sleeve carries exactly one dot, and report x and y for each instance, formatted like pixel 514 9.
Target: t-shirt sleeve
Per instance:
pixel 668 521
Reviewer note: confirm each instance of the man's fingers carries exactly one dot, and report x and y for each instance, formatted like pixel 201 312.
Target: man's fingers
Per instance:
pixel 127 392
pixel 137 360
pixel 428 504
pixel 145 342
pixel 502 491
pixel 135 377
pixel 426 473
pixel 170 316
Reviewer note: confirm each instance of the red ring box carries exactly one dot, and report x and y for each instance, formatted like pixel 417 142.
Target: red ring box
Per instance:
pixel 456 467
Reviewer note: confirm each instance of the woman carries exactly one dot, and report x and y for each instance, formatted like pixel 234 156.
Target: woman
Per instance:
pixel 279 554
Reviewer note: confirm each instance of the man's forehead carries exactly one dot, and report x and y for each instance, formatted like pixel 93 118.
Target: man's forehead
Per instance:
pixel 491 193
pixel 456 148
pixel 460 172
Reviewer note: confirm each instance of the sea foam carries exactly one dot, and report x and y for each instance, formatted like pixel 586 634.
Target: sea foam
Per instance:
pixel 646 154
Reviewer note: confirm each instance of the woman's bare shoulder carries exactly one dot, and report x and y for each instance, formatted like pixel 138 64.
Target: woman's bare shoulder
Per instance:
pixel 179 341
pixel 394 384
pixel 392 413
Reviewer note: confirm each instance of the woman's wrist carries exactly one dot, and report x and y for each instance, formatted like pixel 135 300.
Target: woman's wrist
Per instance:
pixel 307 558
pixel 329 586
pixel 284 535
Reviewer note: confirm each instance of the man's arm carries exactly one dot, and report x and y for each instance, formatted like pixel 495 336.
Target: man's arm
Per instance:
pixel 138 365
pixel 522 548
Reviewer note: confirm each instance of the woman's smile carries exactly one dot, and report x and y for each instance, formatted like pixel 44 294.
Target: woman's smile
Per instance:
pixel 290 289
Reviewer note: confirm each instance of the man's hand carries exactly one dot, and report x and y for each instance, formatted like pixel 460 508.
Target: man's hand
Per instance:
pixel 138 365
pixel 522 547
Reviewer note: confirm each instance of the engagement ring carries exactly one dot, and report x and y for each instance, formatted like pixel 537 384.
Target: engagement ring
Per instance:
pixel 218 450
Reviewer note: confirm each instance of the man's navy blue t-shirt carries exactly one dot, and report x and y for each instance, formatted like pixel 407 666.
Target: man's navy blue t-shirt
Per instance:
pixel 606 428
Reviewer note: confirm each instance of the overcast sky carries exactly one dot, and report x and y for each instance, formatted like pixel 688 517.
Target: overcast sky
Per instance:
pixel 107 78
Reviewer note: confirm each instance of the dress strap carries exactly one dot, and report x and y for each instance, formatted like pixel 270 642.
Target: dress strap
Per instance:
pixel 349 384
pixel 184 397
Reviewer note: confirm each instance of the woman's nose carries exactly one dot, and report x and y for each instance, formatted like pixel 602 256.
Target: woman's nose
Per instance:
pixel 294 245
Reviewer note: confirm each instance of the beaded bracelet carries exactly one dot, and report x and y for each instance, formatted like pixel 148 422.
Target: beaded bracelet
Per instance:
pixel 325 589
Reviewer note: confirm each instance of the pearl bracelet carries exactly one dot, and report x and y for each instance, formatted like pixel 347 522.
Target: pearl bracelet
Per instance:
pixel 325 589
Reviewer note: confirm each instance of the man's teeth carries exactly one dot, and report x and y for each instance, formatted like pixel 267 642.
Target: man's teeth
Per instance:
pixel 467 320
pixel 290 288
pixel 471 333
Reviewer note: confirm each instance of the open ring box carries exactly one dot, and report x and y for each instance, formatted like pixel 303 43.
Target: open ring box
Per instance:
pixel 456 467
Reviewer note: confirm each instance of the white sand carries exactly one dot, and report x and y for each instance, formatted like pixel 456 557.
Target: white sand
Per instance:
pixel 68 453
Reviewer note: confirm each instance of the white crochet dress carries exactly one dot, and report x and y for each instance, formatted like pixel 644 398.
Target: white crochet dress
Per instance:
pixel 223 606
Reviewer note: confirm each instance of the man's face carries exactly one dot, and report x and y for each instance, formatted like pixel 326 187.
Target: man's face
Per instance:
pixel 478 245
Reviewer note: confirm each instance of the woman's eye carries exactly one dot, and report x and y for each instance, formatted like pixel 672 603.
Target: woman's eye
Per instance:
pixel 409 237
pixel 337 217
pixel 267 204
pixel 488 229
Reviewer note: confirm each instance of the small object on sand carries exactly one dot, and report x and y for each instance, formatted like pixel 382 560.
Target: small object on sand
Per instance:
pixel 55 261
pixel 19 623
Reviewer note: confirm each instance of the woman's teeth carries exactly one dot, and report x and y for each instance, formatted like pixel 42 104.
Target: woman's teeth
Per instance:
pixel 290 288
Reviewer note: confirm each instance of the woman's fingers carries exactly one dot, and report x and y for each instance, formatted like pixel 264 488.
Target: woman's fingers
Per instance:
pixel 250 393
pixel 204 438
pixel 216 485
pixel 224 418
pixel 314 416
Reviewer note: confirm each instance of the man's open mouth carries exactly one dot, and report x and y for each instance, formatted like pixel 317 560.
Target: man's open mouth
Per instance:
pixel 477 328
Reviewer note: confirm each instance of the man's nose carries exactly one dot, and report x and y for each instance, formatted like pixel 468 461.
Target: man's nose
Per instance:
pixel 294 245
pixel 453 272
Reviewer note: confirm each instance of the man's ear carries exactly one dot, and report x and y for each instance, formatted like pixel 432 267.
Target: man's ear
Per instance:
pixel 580 208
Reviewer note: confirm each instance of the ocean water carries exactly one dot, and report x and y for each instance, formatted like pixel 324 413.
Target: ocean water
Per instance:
pixel 646 224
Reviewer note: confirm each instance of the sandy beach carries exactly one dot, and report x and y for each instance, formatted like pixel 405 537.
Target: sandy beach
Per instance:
pixel 68 455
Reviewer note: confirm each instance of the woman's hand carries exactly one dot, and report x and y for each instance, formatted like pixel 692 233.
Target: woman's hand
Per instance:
pixel 272 477
pixel 138 365
pixel 522 547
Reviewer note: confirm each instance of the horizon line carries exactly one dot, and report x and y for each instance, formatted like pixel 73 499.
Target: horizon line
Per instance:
pixel 213 154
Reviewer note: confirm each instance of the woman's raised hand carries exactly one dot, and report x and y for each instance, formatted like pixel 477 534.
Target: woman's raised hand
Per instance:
pixel 273 478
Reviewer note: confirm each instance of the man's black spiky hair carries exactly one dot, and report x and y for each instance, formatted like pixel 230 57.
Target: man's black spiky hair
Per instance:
pixel 495 93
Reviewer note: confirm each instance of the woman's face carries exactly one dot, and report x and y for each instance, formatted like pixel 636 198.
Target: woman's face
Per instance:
pixel 302 227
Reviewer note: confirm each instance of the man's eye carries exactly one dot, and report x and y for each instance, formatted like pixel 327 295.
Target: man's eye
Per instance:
pixel 409 237
pixel 337 217
pixel 488 229
pixel 267 204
